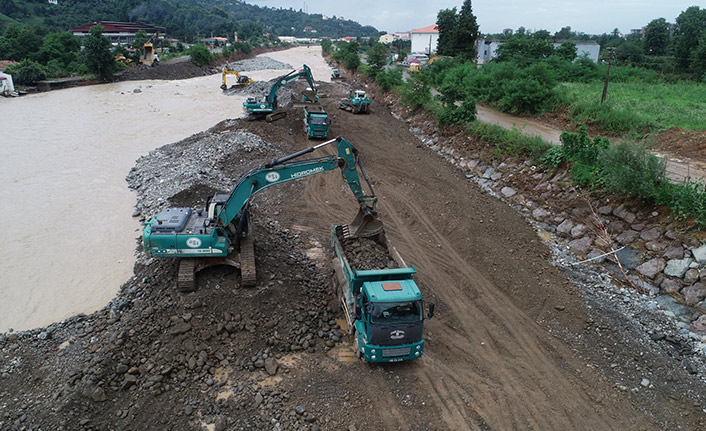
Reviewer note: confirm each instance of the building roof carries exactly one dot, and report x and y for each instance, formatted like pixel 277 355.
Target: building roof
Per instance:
pixel 427 29
pixel 120 27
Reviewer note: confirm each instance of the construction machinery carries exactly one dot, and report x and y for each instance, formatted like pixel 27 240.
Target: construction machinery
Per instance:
pixel 357 102
pixel 336 75
pixel 241 80
pixel 221 233
pixel 266 106
pixel 383 306
pixel 316 122
pixel 148 52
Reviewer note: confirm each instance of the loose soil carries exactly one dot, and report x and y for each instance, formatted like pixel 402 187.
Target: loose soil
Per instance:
pixel 515 343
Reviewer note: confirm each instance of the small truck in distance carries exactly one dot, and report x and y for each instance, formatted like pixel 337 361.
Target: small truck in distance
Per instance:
pixel 381 301
pixel 316 122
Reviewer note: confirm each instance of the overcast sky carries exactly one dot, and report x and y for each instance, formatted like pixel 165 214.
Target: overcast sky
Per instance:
pixel 588 16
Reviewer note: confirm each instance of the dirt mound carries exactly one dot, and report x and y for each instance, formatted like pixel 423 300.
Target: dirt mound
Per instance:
pixel 181 68
pixel 685 143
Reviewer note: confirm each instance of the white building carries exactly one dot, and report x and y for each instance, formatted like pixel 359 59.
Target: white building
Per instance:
pixel 425 39
pixel 6 85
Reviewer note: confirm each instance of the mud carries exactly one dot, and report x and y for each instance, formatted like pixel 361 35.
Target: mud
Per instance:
pixel 517 342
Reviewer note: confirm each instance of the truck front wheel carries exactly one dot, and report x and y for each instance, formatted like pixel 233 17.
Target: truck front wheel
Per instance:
pixel 356 345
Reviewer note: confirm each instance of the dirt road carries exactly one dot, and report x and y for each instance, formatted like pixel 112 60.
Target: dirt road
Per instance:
pixel 493 359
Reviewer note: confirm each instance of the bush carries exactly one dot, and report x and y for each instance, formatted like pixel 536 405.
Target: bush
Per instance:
pixel 630 170
pixel 27 72
pixel 554 157
pixel 581 148
pixel 200 55
pixel 389 78
pixel 416 92
pixel 687 200
pixel 463 114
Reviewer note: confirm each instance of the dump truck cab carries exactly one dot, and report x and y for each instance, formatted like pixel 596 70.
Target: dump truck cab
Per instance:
pixel 316 122
pixel 383 307
pixel 389 321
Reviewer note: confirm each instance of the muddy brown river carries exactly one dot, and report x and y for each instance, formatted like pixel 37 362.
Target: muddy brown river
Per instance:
pixel 68 238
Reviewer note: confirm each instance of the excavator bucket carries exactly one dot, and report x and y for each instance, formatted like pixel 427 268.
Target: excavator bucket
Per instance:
pixel 364 225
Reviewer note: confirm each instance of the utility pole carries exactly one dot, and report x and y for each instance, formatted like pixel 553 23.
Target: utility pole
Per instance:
pixel 607 74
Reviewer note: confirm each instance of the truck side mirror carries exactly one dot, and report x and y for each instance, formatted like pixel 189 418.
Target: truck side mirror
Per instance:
pixel 431 310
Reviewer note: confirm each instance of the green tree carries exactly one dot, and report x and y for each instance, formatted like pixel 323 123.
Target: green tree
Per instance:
pixel 524 51
pixel 567 50
pixel 564 33
pixel 378 57
pixel 20 41
pixel 200 55
pixel 656 37
pixel 689 25
pixel 457 31
pixel 467 32
pixel 63 48
pixel 447 25
pixel 698 58
pixel 99 59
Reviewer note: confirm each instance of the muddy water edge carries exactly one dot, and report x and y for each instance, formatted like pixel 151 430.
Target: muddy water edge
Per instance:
pixel 69 240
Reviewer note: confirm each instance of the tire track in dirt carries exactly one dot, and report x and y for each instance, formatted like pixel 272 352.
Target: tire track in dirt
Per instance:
pixel 491 276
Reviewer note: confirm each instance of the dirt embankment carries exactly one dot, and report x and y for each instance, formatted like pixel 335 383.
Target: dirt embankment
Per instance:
pixel 518 342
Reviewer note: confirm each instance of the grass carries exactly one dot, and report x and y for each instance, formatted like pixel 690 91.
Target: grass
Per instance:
pixel 636 105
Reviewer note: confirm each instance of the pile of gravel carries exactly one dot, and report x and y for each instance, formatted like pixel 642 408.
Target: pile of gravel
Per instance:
pixel 193 162
pixel 258 63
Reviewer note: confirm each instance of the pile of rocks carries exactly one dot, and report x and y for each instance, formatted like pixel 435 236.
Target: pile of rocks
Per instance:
pixel 366 253
pixel 259 63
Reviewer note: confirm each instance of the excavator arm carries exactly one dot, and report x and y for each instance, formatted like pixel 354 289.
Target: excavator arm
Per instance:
pixel 305 72
pixel 287 169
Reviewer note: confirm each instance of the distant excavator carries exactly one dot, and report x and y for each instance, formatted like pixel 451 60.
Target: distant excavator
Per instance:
pixel 241 81
pixel 266 106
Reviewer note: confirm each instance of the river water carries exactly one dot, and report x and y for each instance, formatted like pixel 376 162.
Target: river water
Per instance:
pixel 68 238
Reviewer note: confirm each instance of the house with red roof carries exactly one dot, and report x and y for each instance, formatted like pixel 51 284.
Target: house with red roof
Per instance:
pixel 122 33
pixel 425 39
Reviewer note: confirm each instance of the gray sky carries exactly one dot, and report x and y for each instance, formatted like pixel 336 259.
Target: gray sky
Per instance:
pixel 588 16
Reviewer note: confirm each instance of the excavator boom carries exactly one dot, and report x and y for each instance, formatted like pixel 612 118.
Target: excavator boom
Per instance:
pixel 211 235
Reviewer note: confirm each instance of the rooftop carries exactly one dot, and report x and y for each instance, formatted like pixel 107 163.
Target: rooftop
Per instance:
pixel 427 29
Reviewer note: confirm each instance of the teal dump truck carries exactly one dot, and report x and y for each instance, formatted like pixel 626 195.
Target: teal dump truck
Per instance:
pixel 383 305
pixel 316 122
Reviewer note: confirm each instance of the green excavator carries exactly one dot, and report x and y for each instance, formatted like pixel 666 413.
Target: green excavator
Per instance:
pixel 221 233
pixel 267 106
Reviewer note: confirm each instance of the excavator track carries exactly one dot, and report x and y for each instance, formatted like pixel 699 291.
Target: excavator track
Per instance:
pixel 186 279
pixel 248 276
pixel 275 116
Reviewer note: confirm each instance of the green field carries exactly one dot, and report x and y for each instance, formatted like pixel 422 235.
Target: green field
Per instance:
pixel 636 106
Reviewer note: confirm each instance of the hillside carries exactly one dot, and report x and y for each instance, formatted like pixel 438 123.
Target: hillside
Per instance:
pixel 183 19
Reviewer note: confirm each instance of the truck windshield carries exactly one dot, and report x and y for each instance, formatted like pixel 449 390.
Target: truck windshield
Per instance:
pixel 319 121
pixel 396 312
